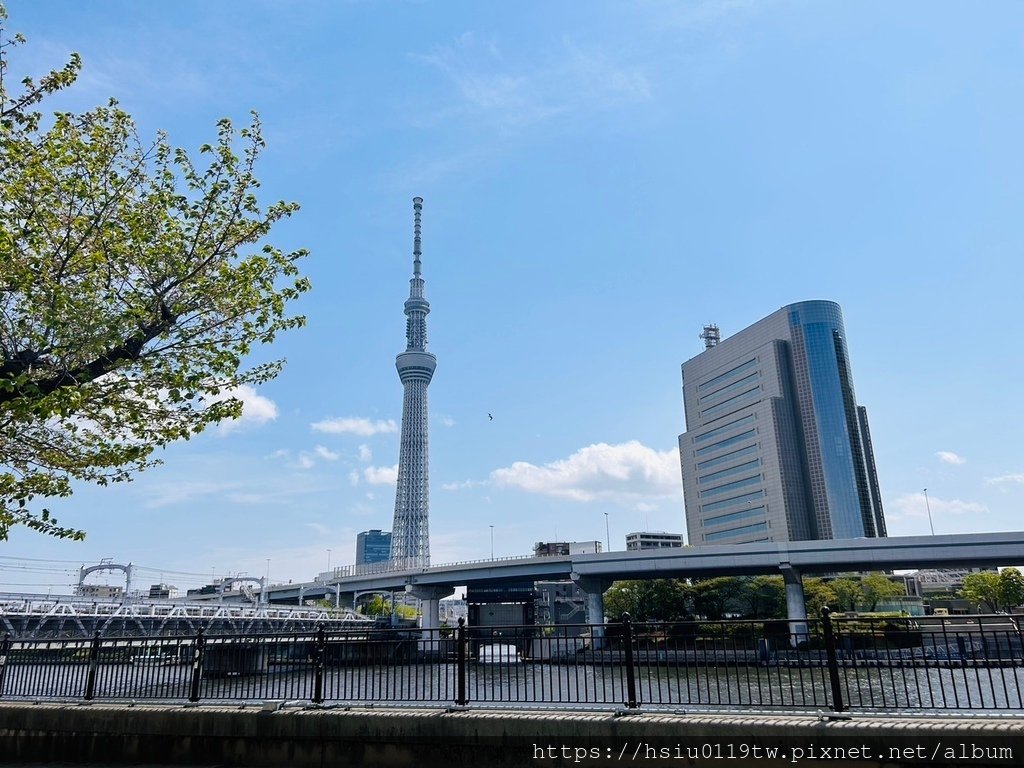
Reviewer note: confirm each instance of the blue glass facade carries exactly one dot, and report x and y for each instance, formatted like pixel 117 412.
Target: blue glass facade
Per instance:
pixel 373 547
pixel 775 405
pixel 817 331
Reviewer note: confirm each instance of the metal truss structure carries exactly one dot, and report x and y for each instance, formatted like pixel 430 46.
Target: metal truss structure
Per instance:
pixel 32 617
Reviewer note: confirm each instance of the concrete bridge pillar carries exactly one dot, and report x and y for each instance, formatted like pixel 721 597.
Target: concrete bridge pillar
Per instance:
pixel 796 608
pixel 595 587
pixel 430 618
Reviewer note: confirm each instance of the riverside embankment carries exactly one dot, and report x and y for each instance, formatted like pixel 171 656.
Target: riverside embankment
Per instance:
pixel 255 736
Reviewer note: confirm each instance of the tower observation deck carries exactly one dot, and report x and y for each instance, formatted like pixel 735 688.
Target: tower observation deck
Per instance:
pixel 410 532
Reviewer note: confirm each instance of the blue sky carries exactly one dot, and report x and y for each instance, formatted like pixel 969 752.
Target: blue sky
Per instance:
pixel 600 180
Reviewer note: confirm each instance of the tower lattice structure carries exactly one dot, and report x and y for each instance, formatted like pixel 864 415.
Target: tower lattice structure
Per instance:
pixel 410 532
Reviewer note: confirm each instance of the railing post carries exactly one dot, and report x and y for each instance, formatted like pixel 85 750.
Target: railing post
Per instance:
pixel 94 660
pixel 833 662
pixel 319 656
pixel 627 641
pixel 5 648
pixel 460 663
pixel 198 651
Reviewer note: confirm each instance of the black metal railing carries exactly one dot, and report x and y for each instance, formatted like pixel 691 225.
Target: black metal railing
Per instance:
pixel 833 663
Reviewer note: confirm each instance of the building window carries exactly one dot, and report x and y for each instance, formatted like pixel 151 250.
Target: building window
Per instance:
pixel 748 451
pixel 735 517
pixel 742 368
pixel 724 428
pixel 731 403
pixel 731 387
pixel 725 503
pixel 744 483
pixel 729 441
pixel 714 477
pixel 731 532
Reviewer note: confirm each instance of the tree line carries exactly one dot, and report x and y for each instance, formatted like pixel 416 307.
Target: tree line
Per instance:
pixel 753 597
pixel 764 597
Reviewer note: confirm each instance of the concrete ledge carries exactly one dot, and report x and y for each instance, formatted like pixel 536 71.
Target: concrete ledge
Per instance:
pixel 314 738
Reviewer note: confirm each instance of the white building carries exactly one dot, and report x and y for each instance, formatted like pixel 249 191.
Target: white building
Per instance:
pixel 653 540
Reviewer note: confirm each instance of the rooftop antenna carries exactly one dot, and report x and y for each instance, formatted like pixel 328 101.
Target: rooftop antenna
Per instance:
pixel 711 336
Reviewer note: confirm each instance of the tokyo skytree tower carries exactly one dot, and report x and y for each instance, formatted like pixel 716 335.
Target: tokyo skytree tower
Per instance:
pixel 410 532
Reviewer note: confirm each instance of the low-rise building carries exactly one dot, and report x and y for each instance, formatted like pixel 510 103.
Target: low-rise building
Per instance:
pixel 653 540
pixel 162 591
pixel 940 581
pixel 102 591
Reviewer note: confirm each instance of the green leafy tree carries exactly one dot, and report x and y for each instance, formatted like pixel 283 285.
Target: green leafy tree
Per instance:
pixel 818 594
pixel 982 589
pixel 1011 588
pixel 713 597
pixel 877 587
pixel 763 597
pixel 848 593
pixel 133 286
pixel 648 600
pixel 995 591
pixel 378 605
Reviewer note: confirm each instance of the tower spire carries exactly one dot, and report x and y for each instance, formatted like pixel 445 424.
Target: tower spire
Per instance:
pixel 417 207
pixel 410 534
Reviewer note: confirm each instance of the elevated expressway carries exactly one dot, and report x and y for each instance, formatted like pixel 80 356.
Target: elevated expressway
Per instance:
pixel 594 573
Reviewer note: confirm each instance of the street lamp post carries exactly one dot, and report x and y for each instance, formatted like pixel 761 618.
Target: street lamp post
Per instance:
pixel 607 532
pixel 492 542
pixel 929 508
pixel 328 559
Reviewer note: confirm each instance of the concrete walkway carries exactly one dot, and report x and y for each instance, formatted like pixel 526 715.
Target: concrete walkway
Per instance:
pixel 32 734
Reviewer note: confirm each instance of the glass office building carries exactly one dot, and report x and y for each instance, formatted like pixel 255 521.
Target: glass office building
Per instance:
pixel 776 447
pixel 373 546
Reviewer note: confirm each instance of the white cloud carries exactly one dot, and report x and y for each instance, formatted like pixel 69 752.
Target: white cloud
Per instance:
pixel 257 410
pixel 304 460
pixel 916 505
pixel 219 481
pixel 165 494
pixel 365 454
pixel 1011 479
pixel 323 530
pixel 446 421
pixel 567 80
pixel 355 426
pixel 353 477
pixel 948 457
pixel 624 472
pixel 326 453
pixel 459 486
pixel 381 475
